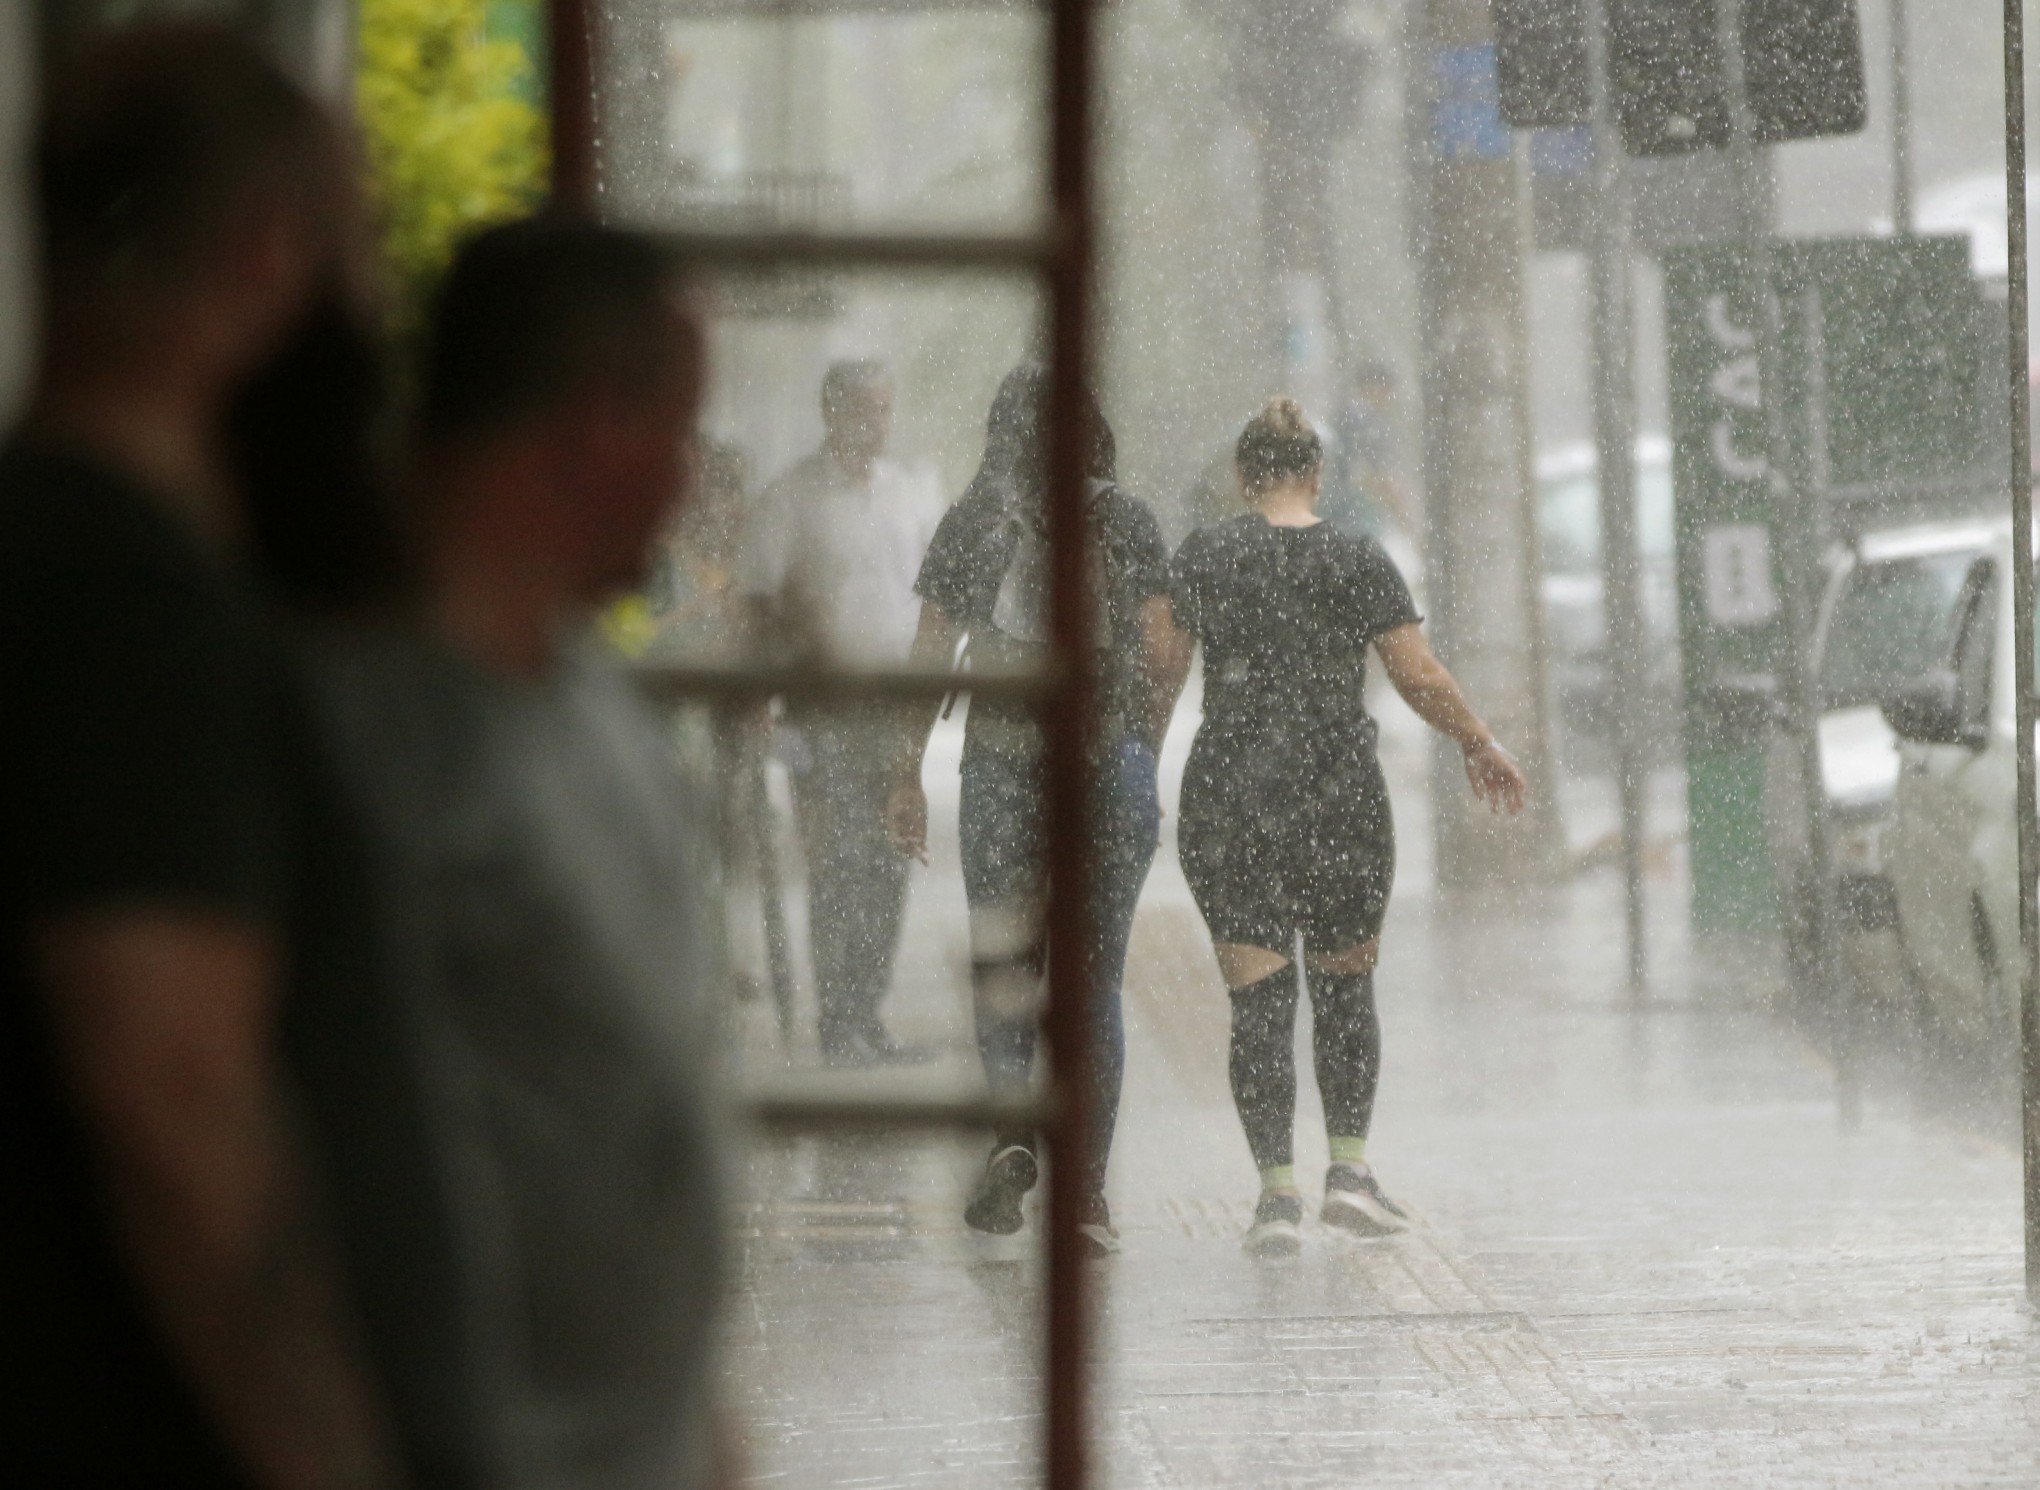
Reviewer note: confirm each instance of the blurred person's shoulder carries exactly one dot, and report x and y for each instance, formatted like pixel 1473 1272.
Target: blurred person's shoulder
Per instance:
pixel 599 687
pixel 1365 570
pixel 1363 550
pixel 982 503
pixel 104 588
pixel 69 522
pixel 1126 517
pixel 398 712
pixel 800 483
pixel 1224 539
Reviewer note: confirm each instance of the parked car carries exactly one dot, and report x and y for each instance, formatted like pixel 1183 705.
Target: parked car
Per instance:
pixel 1887 615
pixel 1569 531
pixel 1952 847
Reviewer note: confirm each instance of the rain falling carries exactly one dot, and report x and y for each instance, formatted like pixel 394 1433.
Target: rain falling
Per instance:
pixel 1354 681
pixel 1629 1122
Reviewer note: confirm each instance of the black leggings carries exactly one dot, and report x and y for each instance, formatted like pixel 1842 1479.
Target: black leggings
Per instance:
pixel 1345 1047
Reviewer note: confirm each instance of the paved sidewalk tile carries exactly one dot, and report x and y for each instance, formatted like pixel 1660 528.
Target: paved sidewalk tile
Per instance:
pixel 1649 1254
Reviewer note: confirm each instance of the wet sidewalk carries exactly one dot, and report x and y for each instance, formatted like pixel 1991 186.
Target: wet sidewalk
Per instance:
pixel 1648 1253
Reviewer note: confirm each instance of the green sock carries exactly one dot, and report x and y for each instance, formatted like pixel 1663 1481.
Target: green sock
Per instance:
pixel 1349 1151
pixel 1278 1177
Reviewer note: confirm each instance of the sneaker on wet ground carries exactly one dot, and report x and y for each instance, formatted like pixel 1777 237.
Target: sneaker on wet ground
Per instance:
pixel 1275 1230
pixel 1354 1203
pixel 994 1206
pixel 1094 1225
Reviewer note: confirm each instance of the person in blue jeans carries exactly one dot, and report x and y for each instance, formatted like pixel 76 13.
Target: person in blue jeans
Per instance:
pixel 983 586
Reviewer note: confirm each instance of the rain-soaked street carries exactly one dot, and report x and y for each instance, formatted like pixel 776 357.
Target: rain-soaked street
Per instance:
pixel 1647 1251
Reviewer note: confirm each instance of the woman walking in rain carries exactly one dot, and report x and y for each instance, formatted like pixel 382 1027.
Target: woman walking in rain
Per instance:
pixel 985 577
pixel 1285 830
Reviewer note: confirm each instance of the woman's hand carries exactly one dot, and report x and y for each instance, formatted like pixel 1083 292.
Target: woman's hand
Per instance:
pixel 906 818
pixel 1495 777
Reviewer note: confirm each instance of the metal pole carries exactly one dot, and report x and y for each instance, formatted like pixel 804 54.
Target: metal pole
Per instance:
pixel 1069 724
pixel 757 814
pixel 570 78
pixel 1615 463
pixel 1480 513
pixel 1901 120
pixel 2022 621
pixel 1796 530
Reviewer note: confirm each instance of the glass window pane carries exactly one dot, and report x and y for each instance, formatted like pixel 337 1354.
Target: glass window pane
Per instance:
pixel 1891 623
pixel 810 527
pixel 715 117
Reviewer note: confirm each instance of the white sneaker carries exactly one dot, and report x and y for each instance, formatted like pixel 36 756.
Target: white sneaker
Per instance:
pixel 1277 1222
pixel 1094 1225
pixel 1354 1203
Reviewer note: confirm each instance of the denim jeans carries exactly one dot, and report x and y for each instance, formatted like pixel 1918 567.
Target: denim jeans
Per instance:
pixel 857 883
pixel 1005 877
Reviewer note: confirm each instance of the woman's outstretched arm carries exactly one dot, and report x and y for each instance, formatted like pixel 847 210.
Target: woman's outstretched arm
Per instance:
pixel 1434 694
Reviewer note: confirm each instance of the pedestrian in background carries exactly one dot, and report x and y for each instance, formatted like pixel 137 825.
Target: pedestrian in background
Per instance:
pixel 1285 831
pixel 830 563
pixel 986 578
pixel 540 915
pixel 692 590
pixel 170 1305
pixel 1364 488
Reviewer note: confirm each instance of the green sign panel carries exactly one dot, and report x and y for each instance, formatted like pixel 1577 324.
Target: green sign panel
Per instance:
pixel 1882 398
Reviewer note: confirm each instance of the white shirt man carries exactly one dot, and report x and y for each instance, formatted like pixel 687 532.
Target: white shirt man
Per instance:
pixel 829 569
pixel 834 551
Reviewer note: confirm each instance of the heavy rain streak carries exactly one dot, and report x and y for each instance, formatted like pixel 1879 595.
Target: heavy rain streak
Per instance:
pixel 1498 1068
pixel 1544 998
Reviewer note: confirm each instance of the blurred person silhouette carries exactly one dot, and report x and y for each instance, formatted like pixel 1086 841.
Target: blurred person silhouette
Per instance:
pixel 172 1306
pixel 1363 486
pixel 985 579
pixel 830 561
pixel 1285 828
pixel 694 576
pixel 539 887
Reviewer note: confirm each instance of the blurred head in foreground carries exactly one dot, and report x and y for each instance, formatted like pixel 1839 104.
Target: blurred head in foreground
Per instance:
pixel 193 207
pixel 562 381
pixel 202 269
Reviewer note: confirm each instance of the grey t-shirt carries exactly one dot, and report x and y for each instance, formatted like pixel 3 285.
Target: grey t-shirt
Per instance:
pixel 541 911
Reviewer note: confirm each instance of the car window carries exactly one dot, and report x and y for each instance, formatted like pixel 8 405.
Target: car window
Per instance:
pixel 1891 622
pixel 1976 647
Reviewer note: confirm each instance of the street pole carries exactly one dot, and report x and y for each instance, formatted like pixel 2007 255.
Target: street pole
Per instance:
pixel 1481 554
pixel 1615 464
pixel 2022 622
pixel 1901 121
pixel 1796 528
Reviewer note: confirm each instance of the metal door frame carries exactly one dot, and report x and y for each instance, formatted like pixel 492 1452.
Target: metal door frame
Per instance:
pixel 2021 479
pixel 1060 256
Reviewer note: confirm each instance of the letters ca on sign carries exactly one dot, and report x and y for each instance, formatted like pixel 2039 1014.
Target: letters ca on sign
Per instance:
pixel 1737 391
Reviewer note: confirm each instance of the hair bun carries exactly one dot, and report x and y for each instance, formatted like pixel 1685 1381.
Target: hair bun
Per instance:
pixel 1279 444
pixel 1284 417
